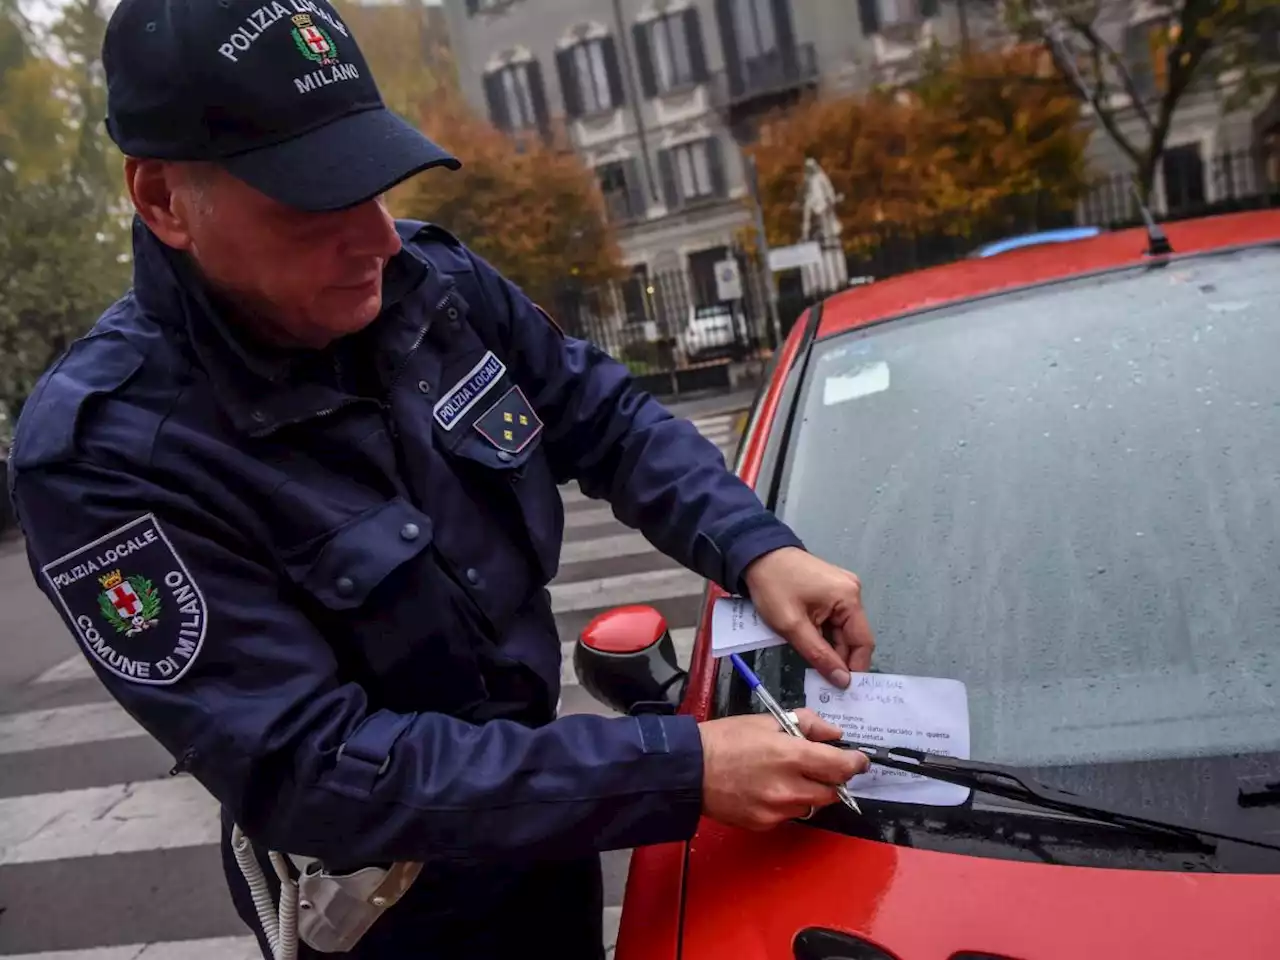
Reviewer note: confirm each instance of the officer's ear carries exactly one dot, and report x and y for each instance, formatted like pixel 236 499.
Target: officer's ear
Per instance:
pixel 168 196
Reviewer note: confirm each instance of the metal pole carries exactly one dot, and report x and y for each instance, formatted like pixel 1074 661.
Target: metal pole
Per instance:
pixel 633 98
pixel 753 186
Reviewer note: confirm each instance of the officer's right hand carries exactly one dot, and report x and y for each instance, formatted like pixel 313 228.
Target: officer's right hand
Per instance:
pixel 756 776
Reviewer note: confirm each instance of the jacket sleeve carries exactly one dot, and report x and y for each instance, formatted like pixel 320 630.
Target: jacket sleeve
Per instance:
pixel 661 476
pixel 252 704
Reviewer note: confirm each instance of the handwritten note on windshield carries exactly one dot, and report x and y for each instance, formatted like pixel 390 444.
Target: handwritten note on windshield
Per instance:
pixel 736 627
pixel 892 710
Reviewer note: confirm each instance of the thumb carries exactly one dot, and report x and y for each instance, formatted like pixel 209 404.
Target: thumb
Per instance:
pixel 809 643
pixel 815 728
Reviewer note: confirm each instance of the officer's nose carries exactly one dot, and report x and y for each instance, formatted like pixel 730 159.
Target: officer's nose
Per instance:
pixel 368 230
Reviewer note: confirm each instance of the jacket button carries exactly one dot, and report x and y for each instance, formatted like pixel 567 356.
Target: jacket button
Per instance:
pixel 504 456
pixel 346 586
pixel 409 531
pixel 473 576
pixel 424 387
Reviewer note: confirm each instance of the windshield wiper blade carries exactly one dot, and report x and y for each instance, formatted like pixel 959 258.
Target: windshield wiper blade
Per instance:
pixel 1013 784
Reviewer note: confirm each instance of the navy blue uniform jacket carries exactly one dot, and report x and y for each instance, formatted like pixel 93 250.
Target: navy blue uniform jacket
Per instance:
pixel 319 579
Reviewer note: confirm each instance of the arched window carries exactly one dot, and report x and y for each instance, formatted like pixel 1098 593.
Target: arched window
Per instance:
pixel 515 94
pixel 590 79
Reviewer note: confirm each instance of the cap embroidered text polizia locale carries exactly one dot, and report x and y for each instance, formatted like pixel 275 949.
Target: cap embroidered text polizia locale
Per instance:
pixel 277 92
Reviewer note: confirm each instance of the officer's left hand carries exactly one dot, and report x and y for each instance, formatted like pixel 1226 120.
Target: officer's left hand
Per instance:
pixel 797 594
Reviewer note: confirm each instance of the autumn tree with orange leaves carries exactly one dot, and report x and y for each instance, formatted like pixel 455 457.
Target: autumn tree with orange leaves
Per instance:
pixel 976 142
pixel 532 210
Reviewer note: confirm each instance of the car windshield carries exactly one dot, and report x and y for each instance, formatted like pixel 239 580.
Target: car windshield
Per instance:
pixel 1069 499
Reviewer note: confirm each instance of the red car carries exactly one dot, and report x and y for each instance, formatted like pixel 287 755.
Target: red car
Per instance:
pixel 1057 472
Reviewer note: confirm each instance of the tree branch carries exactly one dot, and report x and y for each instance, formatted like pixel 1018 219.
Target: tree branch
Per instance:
pixel 1093 95
pixel 1117 64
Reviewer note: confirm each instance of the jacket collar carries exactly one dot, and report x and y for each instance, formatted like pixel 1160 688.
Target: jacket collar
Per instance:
pixel 260 387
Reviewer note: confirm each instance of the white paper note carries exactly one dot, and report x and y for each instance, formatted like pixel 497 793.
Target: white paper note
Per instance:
pixel 892 710
pixel 736 627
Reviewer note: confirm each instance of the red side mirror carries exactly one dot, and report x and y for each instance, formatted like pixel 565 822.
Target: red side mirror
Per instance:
pixel 625 659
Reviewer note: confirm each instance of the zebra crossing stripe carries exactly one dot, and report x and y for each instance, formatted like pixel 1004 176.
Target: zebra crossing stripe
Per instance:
pixel 604 548
pixel 66 726
pixel 99 821
pixel 589 518
pixel 73 668
pixel 625 589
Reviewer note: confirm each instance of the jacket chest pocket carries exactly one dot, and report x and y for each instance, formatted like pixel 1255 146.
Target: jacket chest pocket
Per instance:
pixel 499 434
pixel 385 599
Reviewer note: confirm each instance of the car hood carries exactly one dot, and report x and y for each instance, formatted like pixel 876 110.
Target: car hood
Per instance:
pixel 748 895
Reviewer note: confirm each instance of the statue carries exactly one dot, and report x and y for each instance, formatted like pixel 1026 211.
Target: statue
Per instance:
pixel 820 225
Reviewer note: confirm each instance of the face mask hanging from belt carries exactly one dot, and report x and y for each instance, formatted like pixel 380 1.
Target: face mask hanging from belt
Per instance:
pixel 328 912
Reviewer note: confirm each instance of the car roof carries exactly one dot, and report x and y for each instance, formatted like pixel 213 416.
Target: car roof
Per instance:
pixel 969 278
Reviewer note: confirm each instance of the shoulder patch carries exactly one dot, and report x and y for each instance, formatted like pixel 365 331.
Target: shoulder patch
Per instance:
pixel 133 603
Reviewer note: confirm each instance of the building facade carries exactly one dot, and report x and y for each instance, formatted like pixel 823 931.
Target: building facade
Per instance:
pixel 657 96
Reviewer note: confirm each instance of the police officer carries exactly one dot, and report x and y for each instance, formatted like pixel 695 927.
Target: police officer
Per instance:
pixel 295 495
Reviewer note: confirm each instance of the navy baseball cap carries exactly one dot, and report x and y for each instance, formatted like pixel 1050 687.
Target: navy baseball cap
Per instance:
pixel 275 91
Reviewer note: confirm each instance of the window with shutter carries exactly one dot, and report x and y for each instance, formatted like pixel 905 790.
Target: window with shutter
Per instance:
pixel 754 28
pixel 671 50
pixel 513 93
pixel 619 197
pixel 696 170
pixel 667 173
pixel 593 74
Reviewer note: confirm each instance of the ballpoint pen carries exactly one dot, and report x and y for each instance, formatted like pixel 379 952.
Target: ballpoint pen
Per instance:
pixel 784 719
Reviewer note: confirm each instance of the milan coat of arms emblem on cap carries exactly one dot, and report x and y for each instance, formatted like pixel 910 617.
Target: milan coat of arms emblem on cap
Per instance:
pixel 313 40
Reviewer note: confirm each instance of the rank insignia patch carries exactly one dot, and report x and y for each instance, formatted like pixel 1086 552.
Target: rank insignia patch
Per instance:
pixel 133 603
pixel 510 424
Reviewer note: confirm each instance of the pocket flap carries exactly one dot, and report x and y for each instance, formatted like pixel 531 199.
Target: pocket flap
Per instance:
pixel 360 555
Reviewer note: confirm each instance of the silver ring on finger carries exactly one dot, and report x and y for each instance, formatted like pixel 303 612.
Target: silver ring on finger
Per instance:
pixel 812 811
pixel 792 717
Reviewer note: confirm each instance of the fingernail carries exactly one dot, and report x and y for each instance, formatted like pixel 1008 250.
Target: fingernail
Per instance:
pixel 841 678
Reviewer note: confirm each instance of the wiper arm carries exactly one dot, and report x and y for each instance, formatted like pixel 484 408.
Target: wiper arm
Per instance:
pixel 1014 784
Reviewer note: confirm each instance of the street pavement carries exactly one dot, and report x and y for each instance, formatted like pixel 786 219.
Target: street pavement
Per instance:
pixel 104 856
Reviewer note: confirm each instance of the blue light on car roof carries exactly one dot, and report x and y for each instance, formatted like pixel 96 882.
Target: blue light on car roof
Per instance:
pixel 1034 239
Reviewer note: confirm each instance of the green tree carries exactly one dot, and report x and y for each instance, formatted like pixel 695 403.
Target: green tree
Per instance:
pixel 1195 41
pixel 62 221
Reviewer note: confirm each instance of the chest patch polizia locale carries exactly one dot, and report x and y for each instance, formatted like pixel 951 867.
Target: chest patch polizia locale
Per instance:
pixel 466 393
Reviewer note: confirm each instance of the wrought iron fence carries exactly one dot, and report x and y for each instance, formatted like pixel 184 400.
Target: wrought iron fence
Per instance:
pixel 677 320
pixel 679 330
pixel 1187 187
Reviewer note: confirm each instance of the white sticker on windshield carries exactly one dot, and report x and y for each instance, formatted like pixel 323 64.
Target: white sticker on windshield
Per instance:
pixel 736 627
pixel 892 710
pixel 862 382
